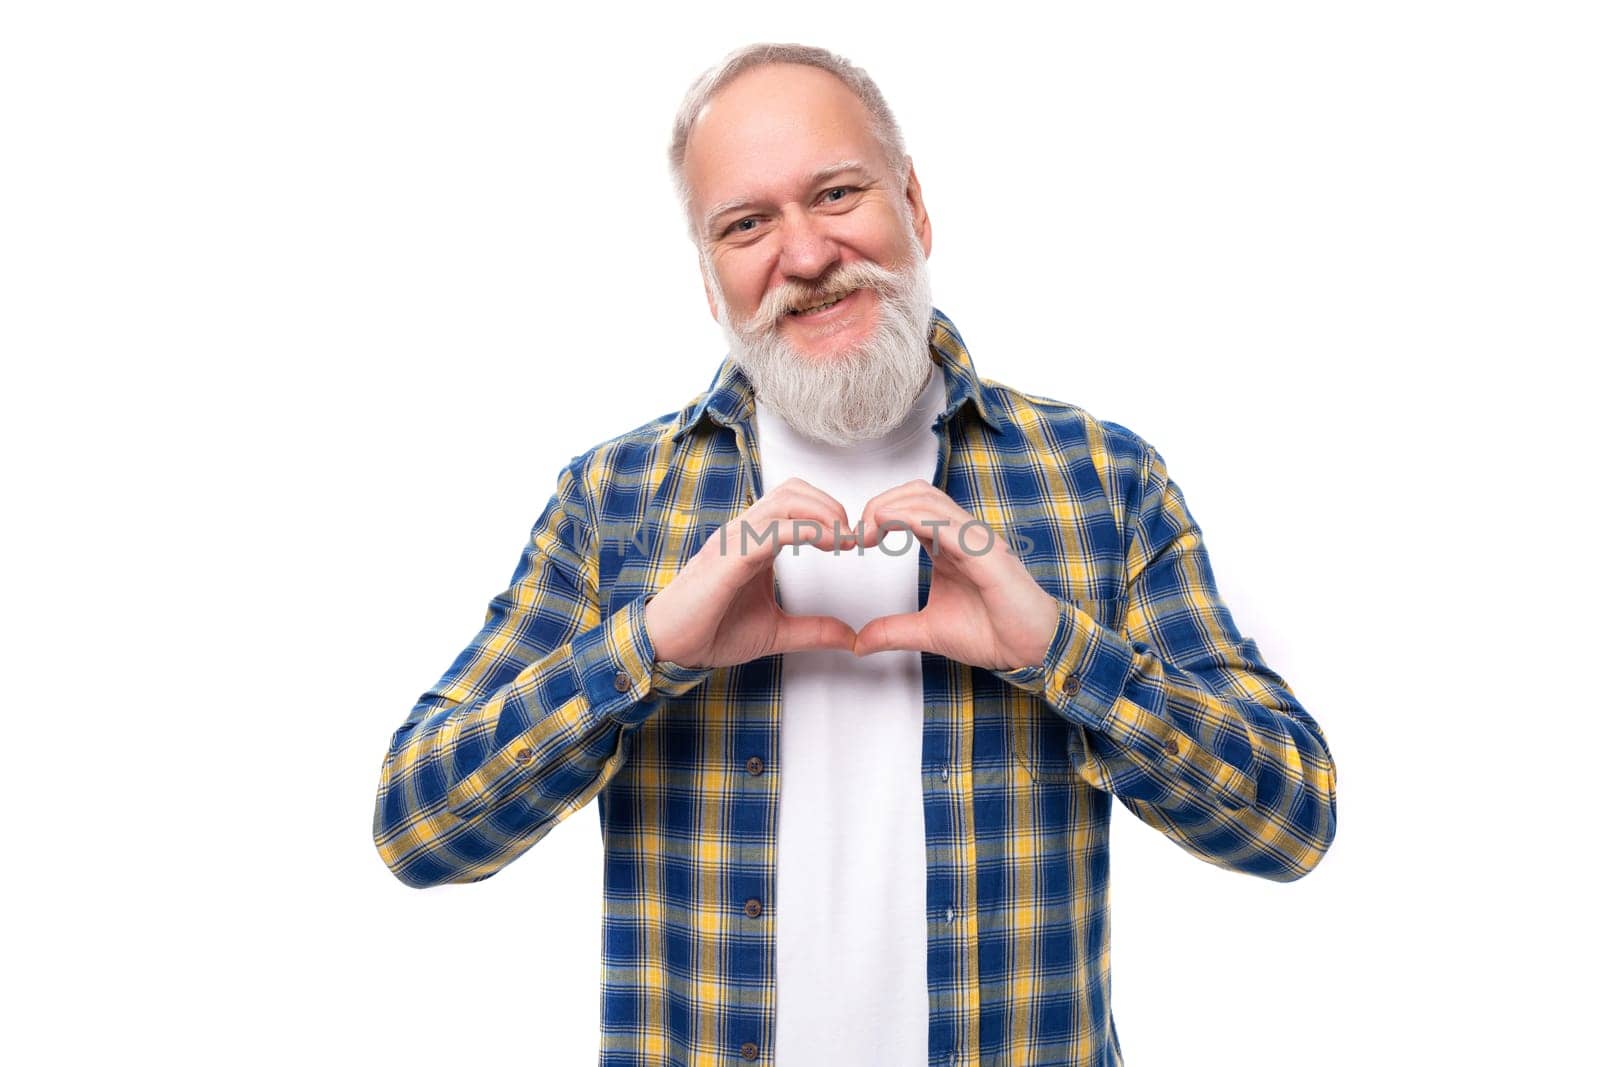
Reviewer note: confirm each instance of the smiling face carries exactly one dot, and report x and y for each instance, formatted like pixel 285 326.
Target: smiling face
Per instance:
pixel 795 203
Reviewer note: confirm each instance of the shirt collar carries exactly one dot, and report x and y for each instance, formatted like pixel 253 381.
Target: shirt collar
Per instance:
pixel 730 399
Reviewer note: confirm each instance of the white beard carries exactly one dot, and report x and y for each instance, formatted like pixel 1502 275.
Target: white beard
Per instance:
pixel 855 396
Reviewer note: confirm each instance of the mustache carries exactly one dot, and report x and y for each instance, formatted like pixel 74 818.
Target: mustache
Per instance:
pixel 793 294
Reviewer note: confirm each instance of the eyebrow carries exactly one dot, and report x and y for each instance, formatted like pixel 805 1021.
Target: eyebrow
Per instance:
pixel 741 202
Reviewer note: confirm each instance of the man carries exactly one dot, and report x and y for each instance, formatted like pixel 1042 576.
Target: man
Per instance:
pixel 854 798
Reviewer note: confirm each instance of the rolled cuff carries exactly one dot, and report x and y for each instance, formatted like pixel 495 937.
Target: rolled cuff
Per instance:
pixel 1084 672
pixel 616 666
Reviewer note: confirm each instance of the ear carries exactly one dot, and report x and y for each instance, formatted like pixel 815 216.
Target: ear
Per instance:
pixel 920 224
pixel 705 281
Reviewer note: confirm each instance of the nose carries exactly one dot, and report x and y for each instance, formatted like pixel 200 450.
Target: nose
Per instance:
pixel 807 250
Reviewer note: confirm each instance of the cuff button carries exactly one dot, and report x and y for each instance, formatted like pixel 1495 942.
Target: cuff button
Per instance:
pixel 622 682
pixel 1071 685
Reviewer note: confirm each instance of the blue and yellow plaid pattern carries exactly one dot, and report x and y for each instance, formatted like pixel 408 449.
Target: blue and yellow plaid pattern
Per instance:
pixel 1148 693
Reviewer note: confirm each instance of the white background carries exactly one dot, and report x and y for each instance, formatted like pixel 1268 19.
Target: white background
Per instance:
pixel 303 305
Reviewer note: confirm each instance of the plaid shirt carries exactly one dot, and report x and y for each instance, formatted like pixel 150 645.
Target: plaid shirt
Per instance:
pixel 1148 693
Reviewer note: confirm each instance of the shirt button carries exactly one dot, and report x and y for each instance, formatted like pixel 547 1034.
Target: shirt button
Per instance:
pixel 524 755
pixel 752 907
pixel 1172 746
pixel 622 682
pixel 749 1051
pixel 944 772
pixel 754 765
pixel 1070 685
pixel 952 1059
pixel 949 915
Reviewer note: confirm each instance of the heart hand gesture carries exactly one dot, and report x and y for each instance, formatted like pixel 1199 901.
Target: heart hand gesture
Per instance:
pixel 720 609
pixel 984 608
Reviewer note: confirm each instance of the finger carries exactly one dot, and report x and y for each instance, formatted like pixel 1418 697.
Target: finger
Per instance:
pixel 806 633
pixel 795 499
pixel 915 486
pixel 893 632
pixel 753 539
pixel 929 511
pixel 937 530
pixel 925 498
pixel 799 487
pixel 805 525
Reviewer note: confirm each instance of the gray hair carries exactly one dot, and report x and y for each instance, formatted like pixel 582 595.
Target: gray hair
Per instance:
pixel 884 126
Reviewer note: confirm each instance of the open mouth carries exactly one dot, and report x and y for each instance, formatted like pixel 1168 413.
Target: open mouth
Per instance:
pixel 819 308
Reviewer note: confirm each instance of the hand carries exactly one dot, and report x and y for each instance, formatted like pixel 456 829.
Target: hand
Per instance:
pixel 720 610
pixel 984 608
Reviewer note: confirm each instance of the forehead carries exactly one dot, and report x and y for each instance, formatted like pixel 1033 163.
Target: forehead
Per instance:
pixel 771 127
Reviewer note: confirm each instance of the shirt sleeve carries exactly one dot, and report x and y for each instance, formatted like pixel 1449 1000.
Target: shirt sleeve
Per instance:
pixel 530 721
pixel 1179 717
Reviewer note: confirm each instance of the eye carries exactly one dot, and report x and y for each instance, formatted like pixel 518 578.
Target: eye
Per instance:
pixel 844 191
pixel 739 226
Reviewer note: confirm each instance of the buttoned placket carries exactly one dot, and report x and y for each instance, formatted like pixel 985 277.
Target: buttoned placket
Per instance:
pixel 954 1027
pixel 757 745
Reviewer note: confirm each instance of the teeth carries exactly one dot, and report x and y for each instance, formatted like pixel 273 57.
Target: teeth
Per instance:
pixel 818 307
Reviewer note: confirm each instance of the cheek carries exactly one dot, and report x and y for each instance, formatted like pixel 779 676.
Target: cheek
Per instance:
pixel 880 237
pixel 744 277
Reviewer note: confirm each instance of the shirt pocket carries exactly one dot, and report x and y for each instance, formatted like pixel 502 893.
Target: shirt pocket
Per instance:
pixel 1046 745
pixel 1041 741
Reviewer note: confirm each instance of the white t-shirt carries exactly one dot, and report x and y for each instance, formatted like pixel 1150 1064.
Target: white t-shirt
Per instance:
pixel 850 914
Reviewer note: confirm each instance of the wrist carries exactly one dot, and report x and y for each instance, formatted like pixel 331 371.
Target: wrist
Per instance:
pixel 653 629
pixel 1039 626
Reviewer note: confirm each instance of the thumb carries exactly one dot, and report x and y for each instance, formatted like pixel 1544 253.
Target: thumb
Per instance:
pixel 891 633
pixel 806 633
